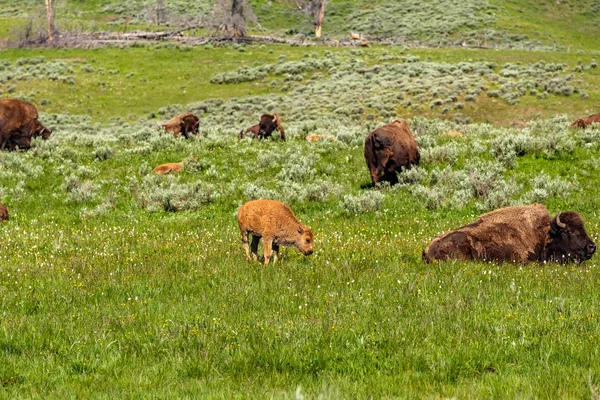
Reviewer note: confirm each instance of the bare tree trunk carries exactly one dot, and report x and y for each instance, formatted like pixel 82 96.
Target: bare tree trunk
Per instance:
pixel 319 14
pixel 50 19
pixel 237 16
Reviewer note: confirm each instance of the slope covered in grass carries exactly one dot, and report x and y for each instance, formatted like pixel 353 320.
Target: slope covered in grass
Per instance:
pixel 527 24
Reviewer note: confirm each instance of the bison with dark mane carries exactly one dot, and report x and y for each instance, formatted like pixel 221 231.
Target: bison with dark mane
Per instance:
pixel 389 149
pixel 183 124
pixel 19 124
pixel 585 122
pixel 267 125
pixel 518 234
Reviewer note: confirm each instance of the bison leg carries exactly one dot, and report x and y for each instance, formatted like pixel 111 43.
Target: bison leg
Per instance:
pixel 275 252
pixel 391 177
pixel 267 243
pixel 254 247
pixel 245 244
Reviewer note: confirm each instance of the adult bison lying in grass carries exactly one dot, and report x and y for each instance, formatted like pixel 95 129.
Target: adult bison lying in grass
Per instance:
pixel 276 224
pixel 516 234
pixel 389 149
pixel 183 124
pixel 267 125
pixel 19 124
pixel 585 122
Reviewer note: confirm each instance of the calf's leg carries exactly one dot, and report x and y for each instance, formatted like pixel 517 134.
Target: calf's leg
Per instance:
pixel 267 243
pixel 275 252
pixel 254 247
pixel 245 243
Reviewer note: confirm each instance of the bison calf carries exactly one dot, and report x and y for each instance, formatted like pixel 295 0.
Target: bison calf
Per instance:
pixel 516 234
pixel 276 224
pixel 389 149
pixel 168 168
pixel 3 213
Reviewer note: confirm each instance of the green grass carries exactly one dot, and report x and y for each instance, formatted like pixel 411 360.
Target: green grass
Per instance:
pixel 113 297
pixel 139 304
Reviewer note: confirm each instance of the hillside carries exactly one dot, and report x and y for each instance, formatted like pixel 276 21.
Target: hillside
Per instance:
pixel 524 24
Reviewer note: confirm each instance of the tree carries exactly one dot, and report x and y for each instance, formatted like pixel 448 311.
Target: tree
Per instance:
pixel 231 16
pixel 50 19
pixel 317 9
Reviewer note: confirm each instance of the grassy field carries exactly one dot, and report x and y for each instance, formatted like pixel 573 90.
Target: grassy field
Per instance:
pixel 116 283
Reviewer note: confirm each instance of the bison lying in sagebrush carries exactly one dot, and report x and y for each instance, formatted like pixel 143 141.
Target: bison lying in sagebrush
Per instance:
pixel 389 149
pixel 183 124
pixel 3 213
pixel 19 124
pixel 585 122
pixel 519 234
pixel 276 224
pixel 267 125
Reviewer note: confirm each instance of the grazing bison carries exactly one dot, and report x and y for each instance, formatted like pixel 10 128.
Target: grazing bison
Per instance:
pixel 276 224
pixel 3 213
pixel 516 234
pixel 585 122
pixel 183 124
pixel 264 129
pixel 19 124
pixel 389 149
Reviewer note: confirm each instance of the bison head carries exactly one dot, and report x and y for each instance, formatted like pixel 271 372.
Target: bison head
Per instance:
pixel 579 123
pixel 305 241
pixel 41 130
pixel 568 239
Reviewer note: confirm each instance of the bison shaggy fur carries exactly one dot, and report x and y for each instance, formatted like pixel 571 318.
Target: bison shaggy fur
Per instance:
pixel 276 224
pixel 183 124
pixel 19 124
pixel 518 234
pixel 3 213
pixel 267 124
pixel 585 122
pixel 389 149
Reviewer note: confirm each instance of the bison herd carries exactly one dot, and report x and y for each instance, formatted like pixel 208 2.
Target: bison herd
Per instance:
pixel 520 234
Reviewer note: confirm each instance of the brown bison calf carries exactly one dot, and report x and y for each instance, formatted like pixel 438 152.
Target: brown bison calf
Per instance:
pixel 390 149
pixel 276 224
pixel 516 234
pixel 585 122
pixel 3 213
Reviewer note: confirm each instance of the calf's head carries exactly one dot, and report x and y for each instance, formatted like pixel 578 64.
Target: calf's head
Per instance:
pixel 568 239
pixel 305 240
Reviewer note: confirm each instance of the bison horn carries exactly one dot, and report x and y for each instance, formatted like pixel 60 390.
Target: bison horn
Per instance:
pixel 300 230
pixel 561 225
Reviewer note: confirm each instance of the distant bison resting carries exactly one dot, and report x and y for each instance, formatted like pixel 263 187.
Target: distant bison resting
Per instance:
pixel 19 124
pixel 3 213
pixel 519 234
pixel 168 168
pixel 267 125
pixel 183 124
pixel 585 122
pixel 389 149
pixel 276 224
pixel 316 138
